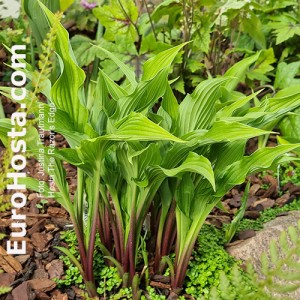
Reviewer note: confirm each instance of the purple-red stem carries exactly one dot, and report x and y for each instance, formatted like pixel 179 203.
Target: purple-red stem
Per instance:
pixel 91 248
pixel 168 233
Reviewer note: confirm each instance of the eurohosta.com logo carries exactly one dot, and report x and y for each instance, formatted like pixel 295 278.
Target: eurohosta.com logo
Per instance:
pixel 10 8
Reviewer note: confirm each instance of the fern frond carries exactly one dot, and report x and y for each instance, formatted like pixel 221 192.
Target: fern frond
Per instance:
pixel 280 270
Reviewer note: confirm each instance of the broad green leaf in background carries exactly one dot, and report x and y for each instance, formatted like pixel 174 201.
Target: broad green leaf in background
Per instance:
pixel 120 16
pixel 263 65
pixel 65 92
pixel 84 50
pixel 254 28
pixel 37 20
pixel 285 27
pixel 290 127
pixel 285 75
pixel 202 36
pixel 171 8
pixel 65 4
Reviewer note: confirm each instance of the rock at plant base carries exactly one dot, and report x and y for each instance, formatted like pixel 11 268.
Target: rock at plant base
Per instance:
pixel 252 248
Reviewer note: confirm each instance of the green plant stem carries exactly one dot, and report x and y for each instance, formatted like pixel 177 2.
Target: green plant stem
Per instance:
pixel 183 253
pixel 150 19
pixel 119 220
pixel 94 217
pixel 79 200
pixel 131 244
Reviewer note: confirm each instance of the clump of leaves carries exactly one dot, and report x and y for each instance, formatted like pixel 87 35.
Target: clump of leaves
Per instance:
pixel 175 163
pixel 280 273
pixel 289 173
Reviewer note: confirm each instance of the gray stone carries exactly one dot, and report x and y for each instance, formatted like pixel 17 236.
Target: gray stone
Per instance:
pixel 251 249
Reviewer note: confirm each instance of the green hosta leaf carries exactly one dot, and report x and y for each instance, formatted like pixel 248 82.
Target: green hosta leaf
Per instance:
pixel 125 69
pixel 228 132
pixel 283 102
pixel 185 194
pixel 197 110
pixel 229 109
pixel 137 127
pixel 144 97
pixel 114 89
pixel 223 155
pixel 65 91
pixel 118 17
pixel 169 103
pixel 285 75
pixel 159 62
pixel 230 232
pixel 261 159
pixel 220 132
pixel 61 123
pixel 193 163
pixel 184 197
pixel 134 127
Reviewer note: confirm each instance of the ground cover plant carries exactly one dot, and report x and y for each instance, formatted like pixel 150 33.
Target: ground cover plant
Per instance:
pixel 151 163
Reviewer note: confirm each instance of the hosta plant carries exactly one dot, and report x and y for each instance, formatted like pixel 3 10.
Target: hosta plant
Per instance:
pixel 149 170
